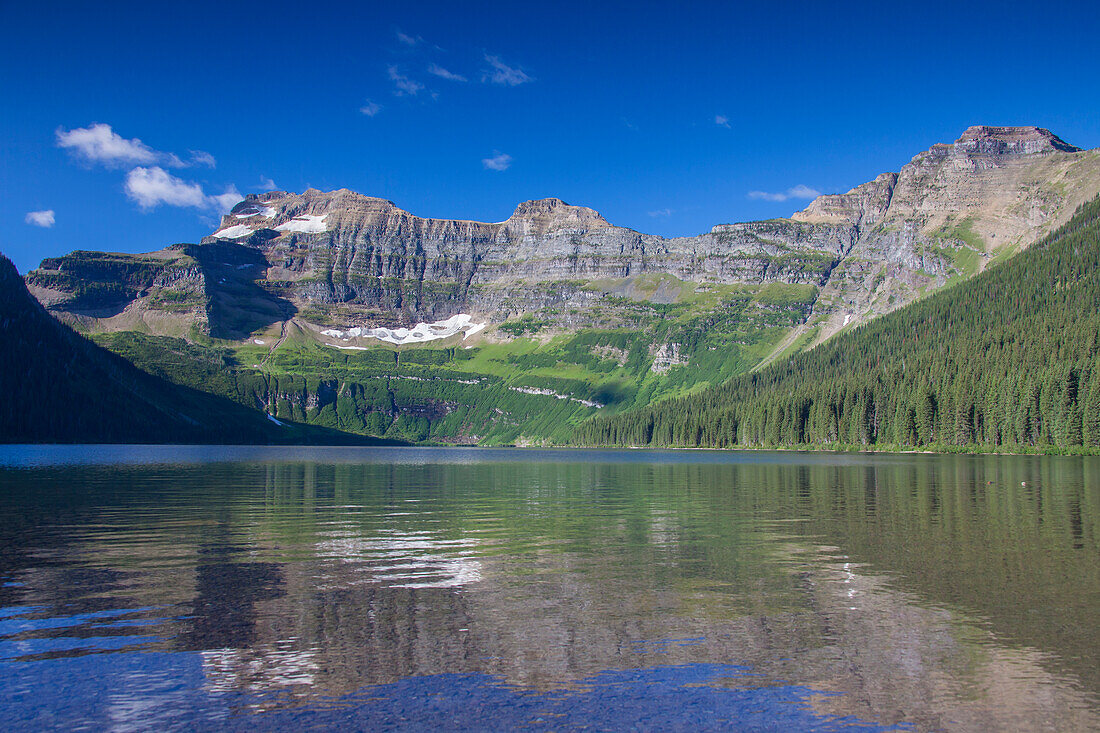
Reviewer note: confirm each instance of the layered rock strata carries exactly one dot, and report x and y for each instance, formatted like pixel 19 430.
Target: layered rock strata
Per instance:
pixel 343 259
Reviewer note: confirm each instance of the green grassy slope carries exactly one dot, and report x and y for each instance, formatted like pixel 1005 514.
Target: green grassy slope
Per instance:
pixel 535 388
pixel 1006 360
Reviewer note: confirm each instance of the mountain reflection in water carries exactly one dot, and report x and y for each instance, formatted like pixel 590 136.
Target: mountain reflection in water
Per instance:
pixel 281 588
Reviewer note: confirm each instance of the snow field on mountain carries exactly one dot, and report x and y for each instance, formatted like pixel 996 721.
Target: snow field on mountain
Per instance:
pixel 419 333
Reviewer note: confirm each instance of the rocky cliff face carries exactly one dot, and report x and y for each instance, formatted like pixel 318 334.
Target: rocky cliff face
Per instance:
pixel 988 170
pixel 341 258
pixel 329 249
pixel 947 214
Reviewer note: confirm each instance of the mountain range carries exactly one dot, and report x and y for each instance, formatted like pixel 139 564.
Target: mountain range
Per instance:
pixel 344 311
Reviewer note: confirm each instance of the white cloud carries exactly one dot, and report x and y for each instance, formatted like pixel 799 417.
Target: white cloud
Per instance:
pixel 500 73
pixel 222 203
pixel 662 213
pixel 370 109
pixel 801 191
pixel 442 73
pixel 151 187
pixel 722 121
pixel 100 144
pixel 42 219
pixel 765 196
pixel 266 184
pixel 407 39
pixel 203 158
pixel 499 162
pixel 404 84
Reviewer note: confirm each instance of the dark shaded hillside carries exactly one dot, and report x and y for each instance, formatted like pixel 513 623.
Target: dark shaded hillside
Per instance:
pixel 59 387
pixel 1007 359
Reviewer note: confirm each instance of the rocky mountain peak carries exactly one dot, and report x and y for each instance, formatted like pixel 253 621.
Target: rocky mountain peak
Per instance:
pixel 863 205
pixel 310 212
pixel 989 140
pixel 948 178
pixel 546 215
pixel 340 199
pixel 314 212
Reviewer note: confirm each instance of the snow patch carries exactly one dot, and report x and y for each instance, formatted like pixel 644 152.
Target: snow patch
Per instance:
pixel 234 232
pixel 265 211
pixel 258 341
pixel 421 332
pixel 556 395
pixel 422 379
pixel 847 319
pixel 307 224
pixel 273 419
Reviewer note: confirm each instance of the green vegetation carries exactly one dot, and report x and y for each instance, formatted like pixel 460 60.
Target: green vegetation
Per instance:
pixel 1007 360
pixel 523 326
pixel 523 390
pixel 177 300
pixel 964 232
pixel 99 280
pixel 960 247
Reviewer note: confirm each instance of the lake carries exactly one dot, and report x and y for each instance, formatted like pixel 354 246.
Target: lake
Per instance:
pixel 254 589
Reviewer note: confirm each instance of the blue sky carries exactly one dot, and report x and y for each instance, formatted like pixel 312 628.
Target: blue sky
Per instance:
pixel 664 118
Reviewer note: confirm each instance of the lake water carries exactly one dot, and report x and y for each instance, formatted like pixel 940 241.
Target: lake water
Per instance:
pixel 208 588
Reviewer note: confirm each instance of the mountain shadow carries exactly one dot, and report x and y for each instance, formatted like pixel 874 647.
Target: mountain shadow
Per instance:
pixel 58 387
pixel 236 304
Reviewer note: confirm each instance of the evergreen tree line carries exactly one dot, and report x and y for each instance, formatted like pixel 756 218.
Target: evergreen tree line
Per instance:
pixel 1007 359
